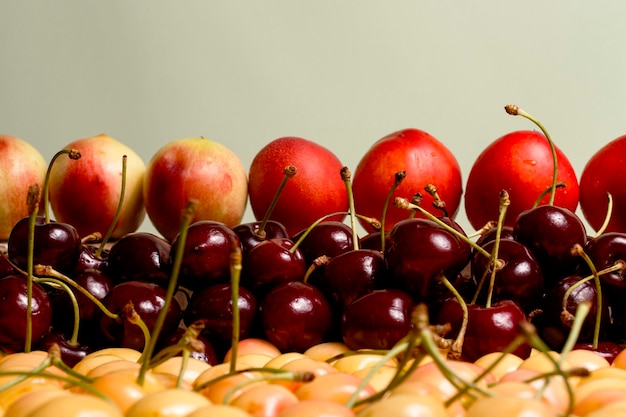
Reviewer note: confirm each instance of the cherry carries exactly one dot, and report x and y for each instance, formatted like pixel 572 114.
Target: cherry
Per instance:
pixel 489 329
pixel 140 256
pixel 604 251
pixel 330 238
pixel 71 353
pixel 13 312
pixel 270 263
pixel 296 316
pixel 518 275
pixel 56 244
pixel 147 299
pixel 506 232
pixel 250 234
pixel 605 348
pixel 89 259
pixel 377 320
pixel 205 353
pixel 6 267
pixel 372 240
pixel 419 252
pixel 551 232
pixel 213 306
pixel 206 254
pixel 353 274
pixel 558 312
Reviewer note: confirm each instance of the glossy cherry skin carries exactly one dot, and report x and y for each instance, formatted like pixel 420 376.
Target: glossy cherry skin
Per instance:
pixel 206 255
pixel 207 353
pixel 271 263
pixel 71 353
pixel 551 322
pixel 295 316
pixel 214 307
pixel 519 162
pixel 372 240
pixel 377 320
pixel 506 232
pixel 353 274
pixel 140 256
pixel 605 348
pixel 148 299
pixel 13 308
pixel 604 173
pixel 56 244
pixel 489 329
pixel 604 250
pixel 87 259
pixel 518 275
pixel 249 237
pixel 419 251
pixel 330 238
pixel 551 232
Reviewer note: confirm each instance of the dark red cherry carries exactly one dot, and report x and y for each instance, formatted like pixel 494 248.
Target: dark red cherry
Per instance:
pixel 372 240
pixel 214 307
pixel 377 320
pixel 555 326
pixel 206 354
pixel 551 232
pixel 56 244
pixel 140 256
pixel 518 274
pixel 148 299
pixel 6 267
pixel 605 348
pixel 270 263
pixel 89 260
pixel 71 353
pixel 505 233
pixel 353 274
pixel 419 251
pixel 295 316
pixel 604 251
pixel 206 255
pixel 489 329
pixel 329 238
pixel 13 308
pixel 249 236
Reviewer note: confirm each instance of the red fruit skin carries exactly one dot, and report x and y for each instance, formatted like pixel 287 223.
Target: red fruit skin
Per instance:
pixel 316 190
pixel 426 161
pixel 519 162
pixel 604 173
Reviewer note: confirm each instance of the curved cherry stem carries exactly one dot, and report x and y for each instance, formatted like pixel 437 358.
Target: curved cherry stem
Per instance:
pixel 397 180
pixel 579 251
pixel 32 201
pixel 118 212
pixel 607 218
pixel 72 154
pixel 495 262
pixel 186 219
pixel 55 283
pixel 514 110
pixel 345 177
pixel 289 172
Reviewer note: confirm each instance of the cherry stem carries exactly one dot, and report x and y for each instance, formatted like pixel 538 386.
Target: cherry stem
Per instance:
pixel 289 172
pixel 72 154
pixel 607 218
pixel 53 282
pixel 297 376
pixel 235 274
pixel 546 191
pixel 118 212
pixel 186 344
pixel 318 262
pixel 186 219
pixel 579 251
pixel 457 346
pixel 516 111
pixel 398 178
pixel 495 263
pixel 32 201
pixel 582 311
pixel 304 234
pixel 438 203
pixel 403 203
pixel 345 176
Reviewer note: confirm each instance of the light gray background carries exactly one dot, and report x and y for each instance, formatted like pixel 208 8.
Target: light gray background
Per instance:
pixel 341 73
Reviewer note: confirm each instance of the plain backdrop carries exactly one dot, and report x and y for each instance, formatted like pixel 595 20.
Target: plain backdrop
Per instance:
pixel 341 73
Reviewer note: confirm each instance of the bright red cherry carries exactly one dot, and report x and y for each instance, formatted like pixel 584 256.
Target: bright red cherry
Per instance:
pixel 424 159
pixel 604 173
pixel 521 163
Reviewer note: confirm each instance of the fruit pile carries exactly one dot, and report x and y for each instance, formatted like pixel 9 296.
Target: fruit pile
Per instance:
pixel 297 313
